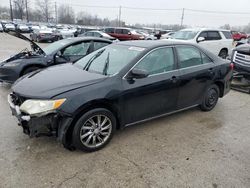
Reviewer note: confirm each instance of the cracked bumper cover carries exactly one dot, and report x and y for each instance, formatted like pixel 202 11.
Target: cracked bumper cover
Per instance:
pixel 54 124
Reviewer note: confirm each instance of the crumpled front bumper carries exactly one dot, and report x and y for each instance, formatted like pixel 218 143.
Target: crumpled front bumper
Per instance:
pixel 54 124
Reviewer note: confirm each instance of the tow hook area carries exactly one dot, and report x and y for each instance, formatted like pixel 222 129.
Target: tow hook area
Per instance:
pixel 241 82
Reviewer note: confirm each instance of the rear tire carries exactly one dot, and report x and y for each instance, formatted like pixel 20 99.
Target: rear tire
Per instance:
pixel 94 130
pixel 210 98
pixel 223 54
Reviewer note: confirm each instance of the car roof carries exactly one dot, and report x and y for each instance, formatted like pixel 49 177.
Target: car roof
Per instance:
pixel 152 43
pixel 204 29
pixel 75 39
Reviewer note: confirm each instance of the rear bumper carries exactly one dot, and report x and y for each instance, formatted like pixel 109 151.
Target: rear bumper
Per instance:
pixel 54 124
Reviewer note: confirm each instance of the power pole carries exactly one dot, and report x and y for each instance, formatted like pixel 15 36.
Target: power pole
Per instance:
pixel 27 12
pixel 11 11
pixel 55 12
pixel 120 13
pixel 182 17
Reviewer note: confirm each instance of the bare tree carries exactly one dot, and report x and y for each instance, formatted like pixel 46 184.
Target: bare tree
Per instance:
pixel 44 7
pixel 19 7
pixel 226 26
pixel 66 14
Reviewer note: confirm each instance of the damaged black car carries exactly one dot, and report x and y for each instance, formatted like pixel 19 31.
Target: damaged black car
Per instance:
pixel 119 85
pixel 63 51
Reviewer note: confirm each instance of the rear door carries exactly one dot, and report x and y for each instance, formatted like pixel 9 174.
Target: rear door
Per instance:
pixel 119 34
pixel 196 74
pixel 127 34
pixel 156 94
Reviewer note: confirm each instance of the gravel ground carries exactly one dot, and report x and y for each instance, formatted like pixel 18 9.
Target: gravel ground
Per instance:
pixel 188 149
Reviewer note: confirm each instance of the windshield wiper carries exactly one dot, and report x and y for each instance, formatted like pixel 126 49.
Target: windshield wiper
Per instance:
pixel 106 66
pixel 86 67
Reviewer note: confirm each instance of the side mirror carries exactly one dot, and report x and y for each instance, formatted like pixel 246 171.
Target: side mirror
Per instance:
pixel 138 73
pixel 59 57
pixel 200 39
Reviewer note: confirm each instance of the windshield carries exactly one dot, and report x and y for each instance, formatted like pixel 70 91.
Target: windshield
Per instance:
pixel 104 34
pixel 184 35
pixel 109 60
pixel 54 46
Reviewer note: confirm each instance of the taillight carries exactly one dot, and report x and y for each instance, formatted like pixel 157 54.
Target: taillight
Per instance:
pixel 231 66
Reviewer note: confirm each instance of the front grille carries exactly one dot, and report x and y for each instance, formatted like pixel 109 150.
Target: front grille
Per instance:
pixel 242 59
pixel 16 99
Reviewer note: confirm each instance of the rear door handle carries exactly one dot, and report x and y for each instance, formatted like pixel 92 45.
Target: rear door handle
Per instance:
pixel 174 79
pixel 211 70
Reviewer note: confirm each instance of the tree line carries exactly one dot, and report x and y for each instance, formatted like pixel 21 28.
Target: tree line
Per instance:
pixel 48 11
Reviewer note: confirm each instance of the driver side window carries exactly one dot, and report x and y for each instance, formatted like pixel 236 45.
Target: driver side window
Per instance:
pixel 78 49
pixel 158 61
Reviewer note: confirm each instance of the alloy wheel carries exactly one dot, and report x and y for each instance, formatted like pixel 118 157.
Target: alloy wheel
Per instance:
pixel 96 131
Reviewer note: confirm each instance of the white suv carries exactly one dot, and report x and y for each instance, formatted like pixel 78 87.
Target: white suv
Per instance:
pixel 217 41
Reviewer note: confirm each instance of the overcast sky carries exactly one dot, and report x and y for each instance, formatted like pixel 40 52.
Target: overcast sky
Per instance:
pixel 132 16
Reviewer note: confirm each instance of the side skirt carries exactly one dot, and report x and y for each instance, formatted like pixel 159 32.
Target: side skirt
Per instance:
pixel 162 115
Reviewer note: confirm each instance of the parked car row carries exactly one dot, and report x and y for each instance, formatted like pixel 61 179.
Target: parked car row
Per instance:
pixel 218 41
pixel 82 89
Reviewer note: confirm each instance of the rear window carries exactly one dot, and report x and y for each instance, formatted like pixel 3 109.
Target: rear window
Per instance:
pixel 213 35
pixel 227 34
pixel 109 30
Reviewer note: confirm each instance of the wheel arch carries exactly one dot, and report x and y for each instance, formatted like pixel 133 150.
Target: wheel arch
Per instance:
pixel 101 103
pixel 220 85
pixel 224 48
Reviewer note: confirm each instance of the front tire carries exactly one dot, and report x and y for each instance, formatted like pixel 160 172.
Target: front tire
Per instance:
pixel 210 98
pixel 94 130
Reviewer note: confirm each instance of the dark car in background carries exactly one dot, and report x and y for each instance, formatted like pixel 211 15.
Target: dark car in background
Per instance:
pixel 119 85
pixel 123 33
pixel 43 34
pixel 100 34
pixel 63 51
pixel 22 28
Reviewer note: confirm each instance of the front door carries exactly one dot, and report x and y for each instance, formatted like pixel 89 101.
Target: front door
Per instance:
pixel 73 53
pixel 156 94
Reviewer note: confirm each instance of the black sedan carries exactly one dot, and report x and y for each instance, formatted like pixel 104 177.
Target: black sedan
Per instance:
pixel 68 50
pixel 117 86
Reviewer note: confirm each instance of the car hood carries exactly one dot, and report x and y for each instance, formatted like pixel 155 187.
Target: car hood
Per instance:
pixel 244 48
pixel 33 45
pixel 53 81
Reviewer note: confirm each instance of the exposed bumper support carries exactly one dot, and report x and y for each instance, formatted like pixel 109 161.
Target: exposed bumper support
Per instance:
pixel 54 124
